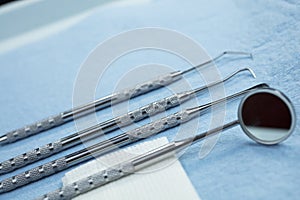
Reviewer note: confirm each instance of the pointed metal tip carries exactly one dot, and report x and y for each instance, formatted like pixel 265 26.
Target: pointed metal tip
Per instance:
pixel 228 52
pixel 239 71
pixel 251 56
pixel 251 71
pixel 238 53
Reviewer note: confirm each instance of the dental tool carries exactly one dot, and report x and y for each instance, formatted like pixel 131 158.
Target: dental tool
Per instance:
pixel 98 149
pixel 104 102
pixel 107 126
pixel 264 127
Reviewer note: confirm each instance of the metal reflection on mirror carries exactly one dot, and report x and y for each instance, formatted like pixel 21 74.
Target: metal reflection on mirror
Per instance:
pixel 267 116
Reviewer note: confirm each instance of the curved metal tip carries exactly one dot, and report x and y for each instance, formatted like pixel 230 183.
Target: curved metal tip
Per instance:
pixel 229 52
pixel 225 79
pixel 217 58
pixel 250 70
pixel 240 70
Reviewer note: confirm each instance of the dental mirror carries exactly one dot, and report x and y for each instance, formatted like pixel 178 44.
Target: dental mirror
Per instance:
pixel 267 116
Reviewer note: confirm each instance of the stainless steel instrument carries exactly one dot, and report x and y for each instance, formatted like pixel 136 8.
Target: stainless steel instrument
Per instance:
pixel 104 102
pixel 110 144
pixel 106 127
pixel 266 127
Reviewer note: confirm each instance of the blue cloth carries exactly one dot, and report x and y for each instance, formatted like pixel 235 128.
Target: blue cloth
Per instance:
pixel 36 81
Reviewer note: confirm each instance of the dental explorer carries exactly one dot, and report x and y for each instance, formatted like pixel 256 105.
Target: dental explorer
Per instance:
pixel 106 126
pixel 104 102
pixel 105 146
pixel 266 127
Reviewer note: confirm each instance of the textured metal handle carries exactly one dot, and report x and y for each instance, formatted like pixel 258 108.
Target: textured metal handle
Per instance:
pixel 149 110
pixel 33 175
pixel 30 157
pixel 33 128
pixel 146 87
pixel 89 183
pixel 159 125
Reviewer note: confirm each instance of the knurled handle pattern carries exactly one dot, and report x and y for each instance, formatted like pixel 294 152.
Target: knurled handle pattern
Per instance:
pixel 35 128
pixel 30 157
pixel 159 125
pixel 89 183
pixel 117 97
pixel 33 175
pixel 144 87
pixel 148 110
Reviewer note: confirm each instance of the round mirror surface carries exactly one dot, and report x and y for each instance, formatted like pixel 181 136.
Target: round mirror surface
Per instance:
pixel 267 116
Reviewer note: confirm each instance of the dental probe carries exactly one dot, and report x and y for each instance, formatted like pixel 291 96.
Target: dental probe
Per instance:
pixel 106 127
pixel 268 126
pixel 104 102
pixel 100 148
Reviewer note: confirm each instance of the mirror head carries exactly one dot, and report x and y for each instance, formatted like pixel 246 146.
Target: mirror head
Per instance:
pixel 267 116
